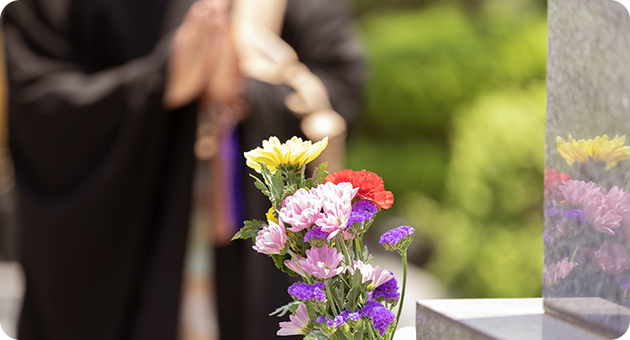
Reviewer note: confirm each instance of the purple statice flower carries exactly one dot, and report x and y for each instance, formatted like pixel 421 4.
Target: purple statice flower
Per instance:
pixel 315 233
pixel 352 316
pixel 381 316
pixel 362 211
pixel 553 212
pixel 337 321
pixel 547 237
pixel 387 292
pixel 321 319
pixel 398 238
pixel 575 214
pixel 307 292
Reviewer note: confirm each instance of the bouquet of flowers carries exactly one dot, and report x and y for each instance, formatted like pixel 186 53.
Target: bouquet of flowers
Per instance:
pixel 315 229
pixel 587 221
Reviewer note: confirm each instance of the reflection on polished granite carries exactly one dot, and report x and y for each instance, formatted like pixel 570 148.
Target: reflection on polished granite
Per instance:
pixel 496 319
pixel 598 314
pixel 586 277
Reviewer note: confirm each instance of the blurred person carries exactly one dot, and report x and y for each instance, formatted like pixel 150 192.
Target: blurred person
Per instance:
pixel 102 117
pixel 305 73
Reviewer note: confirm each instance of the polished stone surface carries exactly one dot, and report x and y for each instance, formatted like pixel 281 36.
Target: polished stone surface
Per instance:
pixel 588 96
pixel 497 319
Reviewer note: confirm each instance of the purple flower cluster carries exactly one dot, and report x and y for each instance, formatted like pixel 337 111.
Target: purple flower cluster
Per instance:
pixel 387 292
pixel 307 292
pixel 340 319
pixel 315 233
pixel 547 237
pixel 362 211
pixel 575 214
pixel 381 316
pixel 392 238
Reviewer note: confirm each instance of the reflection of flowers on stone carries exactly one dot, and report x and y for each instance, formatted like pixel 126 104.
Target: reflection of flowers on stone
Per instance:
pixel 555 271
pixel 271 239
pixel 574 192
pixel 554 212
pixel 299 323
pixel 619 200
pixel 547 237
pixel 301 210
pixel 553 179
pixel 584 253
pixel 600 149
pixel 612 258
pixel 600 215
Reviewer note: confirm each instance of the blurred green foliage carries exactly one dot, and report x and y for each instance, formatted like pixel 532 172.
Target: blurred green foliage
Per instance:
pixel 453 121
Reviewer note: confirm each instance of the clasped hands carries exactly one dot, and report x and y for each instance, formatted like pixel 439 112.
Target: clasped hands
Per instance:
pixel 202 62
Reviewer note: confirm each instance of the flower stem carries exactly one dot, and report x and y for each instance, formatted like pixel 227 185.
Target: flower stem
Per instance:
pixel 330 297
pixel 295 258
pixel 404 288
pixel 344 249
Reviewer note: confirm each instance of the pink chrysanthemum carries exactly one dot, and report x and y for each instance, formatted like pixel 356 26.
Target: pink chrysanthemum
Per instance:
pixel 600 215
pixel 612 258
pixel 295 266
pixel 337 205
pixel 271 239
pixel 301 210
pixel 574 192
pixel 298 324
pixel 322 262
pixel 556 271
pixel 376 274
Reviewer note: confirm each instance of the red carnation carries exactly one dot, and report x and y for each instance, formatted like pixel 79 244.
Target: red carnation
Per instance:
pixel 370 186
pixel 553 179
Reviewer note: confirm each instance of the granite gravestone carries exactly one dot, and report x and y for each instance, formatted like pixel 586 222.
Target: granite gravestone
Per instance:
pixel 586 274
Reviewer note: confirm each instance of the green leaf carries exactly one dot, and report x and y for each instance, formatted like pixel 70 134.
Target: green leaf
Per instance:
pixel 260 185
pixel 281 311
pixel 359 334
pixel 320 173
pixel 312 314
pixel 249 230
pixel 352 298
pixel 279 261
pixel 307 184
pixel 317 334
pixel 339 335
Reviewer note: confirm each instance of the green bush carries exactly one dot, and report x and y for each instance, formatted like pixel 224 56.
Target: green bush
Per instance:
pixel 453 121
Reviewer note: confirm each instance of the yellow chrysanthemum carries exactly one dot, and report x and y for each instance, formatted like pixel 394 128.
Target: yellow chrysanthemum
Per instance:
pixel 600 150
pixel 293 152
pixel 271 215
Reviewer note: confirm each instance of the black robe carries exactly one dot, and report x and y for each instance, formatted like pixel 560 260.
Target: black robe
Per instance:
pixel 104 172
pixel 249 286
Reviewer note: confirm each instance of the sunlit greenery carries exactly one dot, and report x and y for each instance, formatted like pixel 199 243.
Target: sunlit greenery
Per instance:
pixel 453 120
